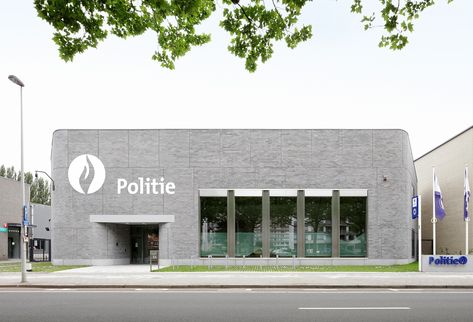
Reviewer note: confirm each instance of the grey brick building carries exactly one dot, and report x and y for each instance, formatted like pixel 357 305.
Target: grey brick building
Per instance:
pixel 322 196
pixel 10 218
pixel 11 243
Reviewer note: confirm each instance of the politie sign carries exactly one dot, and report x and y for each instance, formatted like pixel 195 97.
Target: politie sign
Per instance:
pixel 447 263
pixel 448 260
pixel 415 207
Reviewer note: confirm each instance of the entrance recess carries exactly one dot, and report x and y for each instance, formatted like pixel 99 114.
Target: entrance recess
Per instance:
pixel 143 239
pixel 14 241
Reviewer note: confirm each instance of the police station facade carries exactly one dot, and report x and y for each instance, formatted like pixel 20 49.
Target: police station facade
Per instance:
pixel 319 196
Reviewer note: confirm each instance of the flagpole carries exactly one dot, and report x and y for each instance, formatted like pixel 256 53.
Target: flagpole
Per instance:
pixel 467 219
pixel 433 212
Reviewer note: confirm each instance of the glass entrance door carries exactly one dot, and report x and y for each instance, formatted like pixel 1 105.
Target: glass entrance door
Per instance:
pixel 143 239
pixel 10 247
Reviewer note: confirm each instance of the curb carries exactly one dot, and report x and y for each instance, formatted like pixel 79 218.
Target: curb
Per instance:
pixel 229 286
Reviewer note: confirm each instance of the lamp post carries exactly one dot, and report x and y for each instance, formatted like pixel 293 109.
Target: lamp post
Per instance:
pixel 46 174
pixel 24 208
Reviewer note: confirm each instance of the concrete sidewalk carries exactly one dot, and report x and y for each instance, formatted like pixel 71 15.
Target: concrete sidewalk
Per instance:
pixel 10 261
pixel 138 276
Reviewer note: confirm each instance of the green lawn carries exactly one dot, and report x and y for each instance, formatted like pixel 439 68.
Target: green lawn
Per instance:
pixel 413 267
pixel 37 267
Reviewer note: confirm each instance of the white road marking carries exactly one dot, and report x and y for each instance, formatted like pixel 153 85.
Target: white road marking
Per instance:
pixel 231 291
pixel 357 308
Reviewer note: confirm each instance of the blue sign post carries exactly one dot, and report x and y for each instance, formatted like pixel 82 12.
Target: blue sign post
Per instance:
pixel 25 216
pixel 417 214
pixel 415 207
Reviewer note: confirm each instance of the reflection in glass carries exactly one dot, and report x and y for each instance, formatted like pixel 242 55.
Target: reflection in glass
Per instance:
pixel 353 226
pixel 283 231
pixel 318 226
pixel 248 216
pixel 213 222
pixel 143 239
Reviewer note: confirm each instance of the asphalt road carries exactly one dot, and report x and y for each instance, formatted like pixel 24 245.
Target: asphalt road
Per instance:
pixel 235 305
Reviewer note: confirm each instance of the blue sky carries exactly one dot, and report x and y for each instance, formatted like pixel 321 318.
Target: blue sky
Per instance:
pixel 339 79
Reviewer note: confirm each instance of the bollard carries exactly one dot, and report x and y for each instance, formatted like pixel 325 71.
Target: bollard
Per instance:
pixel 261 262
pixel 277 261
pixel 293 262
pixel 226 261
pixel 209 262
pixel 244 261
pixel 192 262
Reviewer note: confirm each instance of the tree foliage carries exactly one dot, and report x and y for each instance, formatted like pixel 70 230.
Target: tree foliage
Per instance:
pixel 40 192
pixel 248 212
pixel 254 25
pixel 10 173
pixel 318 212
pixel 213 211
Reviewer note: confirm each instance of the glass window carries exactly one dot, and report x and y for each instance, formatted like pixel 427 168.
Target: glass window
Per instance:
pixel 248 216
pixel 213 223
pixel 283 230
pixel 318 226
pixel 353 226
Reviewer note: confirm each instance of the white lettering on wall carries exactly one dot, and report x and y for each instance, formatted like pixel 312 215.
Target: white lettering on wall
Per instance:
pixel 146 186
pixel 121 184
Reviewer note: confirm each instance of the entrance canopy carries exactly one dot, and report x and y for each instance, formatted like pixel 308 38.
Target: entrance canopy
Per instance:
pixel 132 219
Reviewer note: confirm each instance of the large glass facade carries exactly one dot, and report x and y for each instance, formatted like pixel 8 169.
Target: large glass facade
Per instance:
pixel 352 226
pixel 254 224
pixel 283 228
pixel 213 224
pixel 318 227
pixel 248 216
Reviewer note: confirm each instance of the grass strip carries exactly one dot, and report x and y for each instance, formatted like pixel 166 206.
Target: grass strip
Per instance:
pixel 43 267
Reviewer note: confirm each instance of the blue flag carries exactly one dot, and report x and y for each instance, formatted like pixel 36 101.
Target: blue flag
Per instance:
pixel 466 195
pixel 439 208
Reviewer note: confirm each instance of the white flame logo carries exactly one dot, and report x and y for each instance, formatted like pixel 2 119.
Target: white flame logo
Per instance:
pixel 80 170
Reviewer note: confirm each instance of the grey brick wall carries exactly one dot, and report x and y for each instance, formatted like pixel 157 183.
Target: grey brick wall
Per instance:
pixel 204 159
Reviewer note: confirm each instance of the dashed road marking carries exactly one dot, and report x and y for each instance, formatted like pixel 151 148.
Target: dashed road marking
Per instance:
pixel 358 308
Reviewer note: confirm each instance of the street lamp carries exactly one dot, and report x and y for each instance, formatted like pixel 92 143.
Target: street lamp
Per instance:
pixel 24 215
pixel 46 174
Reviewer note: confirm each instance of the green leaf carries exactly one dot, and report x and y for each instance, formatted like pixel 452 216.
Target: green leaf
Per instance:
pixel 254 26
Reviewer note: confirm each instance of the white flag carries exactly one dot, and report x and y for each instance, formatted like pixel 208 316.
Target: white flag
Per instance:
pixel 438 207
pixel 466 195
